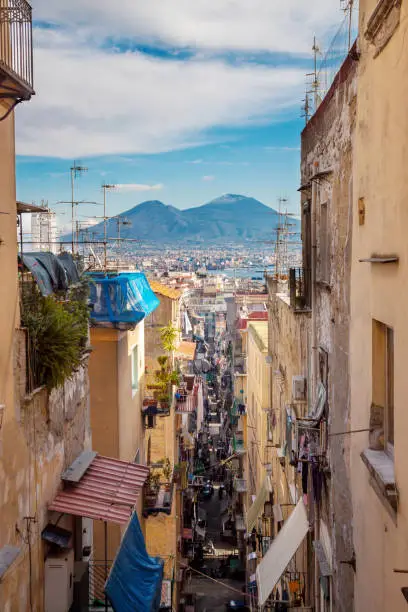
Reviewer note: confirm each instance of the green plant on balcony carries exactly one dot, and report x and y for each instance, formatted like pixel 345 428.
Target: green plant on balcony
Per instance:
pixel 57 328
pixel 165 377
pixel 168 336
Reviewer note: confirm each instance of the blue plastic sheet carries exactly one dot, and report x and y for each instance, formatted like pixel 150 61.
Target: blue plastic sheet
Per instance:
pixel 125 298
pixel 135 580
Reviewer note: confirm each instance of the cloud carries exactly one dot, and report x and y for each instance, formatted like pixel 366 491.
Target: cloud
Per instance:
pixel 138 187
pixel 147 105
pixel 258 25
pixel 98 93
pixel 208 177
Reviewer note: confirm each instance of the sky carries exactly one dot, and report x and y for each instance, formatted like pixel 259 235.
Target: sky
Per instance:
pixel 176 100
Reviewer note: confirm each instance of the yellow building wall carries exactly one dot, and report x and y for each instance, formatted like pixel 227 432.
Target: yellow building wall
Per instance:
pixel 378 292
pixel 257 403
pixel 116 410
pixel 36 444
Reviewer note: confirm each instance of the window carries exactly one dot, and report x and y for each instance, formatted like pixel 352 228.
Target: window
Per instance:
pixel 324 245
pixel 135 369
pixel 383 379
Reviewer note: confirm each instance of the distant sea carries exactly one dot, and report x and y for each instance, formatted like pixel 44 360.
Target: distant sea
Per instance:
pixel 256 272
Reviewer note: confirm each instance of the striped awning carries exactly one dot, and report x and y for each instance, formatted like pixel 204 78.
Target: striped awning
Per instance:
pixel 107 491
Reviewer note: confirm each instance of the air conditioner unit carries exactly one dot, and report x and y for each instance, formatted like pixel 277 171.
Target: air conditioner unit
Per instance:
pixel 59 582
pixel 299 388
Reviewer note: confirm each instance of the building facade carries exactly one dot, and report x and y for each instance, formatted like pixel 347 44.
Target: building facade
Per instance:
pixel 378 323
pixel 116 373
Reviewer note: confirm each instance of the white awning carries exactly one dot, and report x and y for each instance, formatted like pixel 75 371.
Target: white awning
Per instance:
pixel 257 507
pixel 281 551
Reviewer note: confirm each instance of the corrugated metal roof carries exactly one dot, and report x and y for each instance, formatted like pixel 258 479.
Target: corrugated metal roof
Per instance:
pixel 170 292
pixel 107 491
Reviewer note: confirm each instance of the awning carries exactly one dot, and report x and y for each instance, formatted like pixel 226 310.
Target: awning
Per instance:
pixel 107 491
pixel 185 350
pixel 316 414
pixel 23 207
pixel 281 551
pixel 257 507
pixel 135 580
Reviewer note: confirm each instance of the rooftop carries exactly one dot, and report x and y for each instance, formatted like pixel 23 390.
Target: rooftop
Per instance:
pixel 260 333
pixel 170 292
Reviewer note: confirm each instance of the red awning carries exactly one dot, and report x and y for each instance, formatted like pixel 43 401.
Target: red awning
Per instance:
pixel 107 491
pixel 188 405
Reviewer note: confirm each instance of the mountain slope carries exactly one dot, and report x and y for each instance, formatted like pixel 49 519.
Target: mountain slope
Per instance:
pixel 228 218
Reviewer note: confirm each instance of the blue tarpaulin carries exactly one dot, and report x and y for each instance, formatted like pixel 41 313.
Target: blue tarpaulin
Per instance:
pixel 123 298
pixel 135 580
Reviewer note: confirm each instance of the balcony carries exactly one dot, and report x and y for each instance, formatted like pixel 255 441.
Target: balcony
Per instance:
pixel 158 491
pixel 299 288
pixel 16 51
pixel 238 443
pixel 240 485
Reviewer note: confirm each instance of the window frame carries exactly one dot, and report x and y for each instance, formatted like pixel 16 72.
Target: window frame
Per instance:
pixel 134 362
pixel 383 389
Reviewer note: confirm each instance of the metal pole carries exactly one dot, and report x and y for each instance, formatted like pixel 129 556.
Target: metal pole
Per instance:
pixel 72 209
pixel 21 234
pixel 105 524
pixel 104 228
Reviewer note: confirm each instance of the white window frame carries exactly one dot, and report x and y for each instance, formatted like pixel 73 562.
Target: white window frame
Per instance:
pixel 135 384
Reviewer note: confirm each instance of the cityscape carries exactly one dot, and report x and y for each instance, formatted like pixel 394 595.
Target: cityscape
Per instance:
pixel 201 396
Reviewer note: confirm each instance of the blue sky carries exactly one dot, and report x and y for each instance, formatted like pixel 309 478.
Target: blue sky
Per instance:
pixel 173 100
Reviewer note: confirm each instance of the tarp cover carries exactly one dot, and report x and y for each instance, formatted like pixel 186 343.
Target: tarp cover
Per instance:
pixel 135 580
pixel 66 260
pixel 51 272
pixel 125 298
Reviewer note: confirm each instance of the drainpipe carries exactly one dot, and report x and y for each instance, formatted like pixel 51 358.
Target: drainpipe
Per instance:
pixel 313 377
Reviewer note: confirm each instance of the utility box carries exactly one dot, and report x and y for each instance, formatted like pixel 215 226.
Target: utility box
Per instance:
pixel 59 582
pixel 299 388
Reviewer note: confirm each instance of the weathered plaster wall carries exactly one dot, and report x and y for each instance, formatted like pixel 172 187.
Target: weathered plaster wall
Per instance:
pixel 328 144
pixel 378 292
pixel 116 418
pixel 53 430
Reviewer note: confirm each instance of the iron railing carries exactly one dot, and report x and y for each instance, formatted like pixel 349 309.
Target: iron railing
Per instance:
pixel 299 288
pixel 98 574
pixel 16 47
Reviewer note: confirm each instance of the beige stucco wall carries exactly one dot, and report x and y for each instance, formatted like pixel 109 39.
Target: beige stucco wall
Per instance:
pixel 257 402
pixel 328 144
pixel 40 434
pixel 288 349
pixel 378 293
pixel 116 418
pixel 162 531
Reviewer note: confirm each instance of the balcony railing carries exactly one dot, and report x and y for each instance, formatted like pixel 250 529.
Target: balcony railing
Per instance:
pixel 299 288
pixel 16 50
